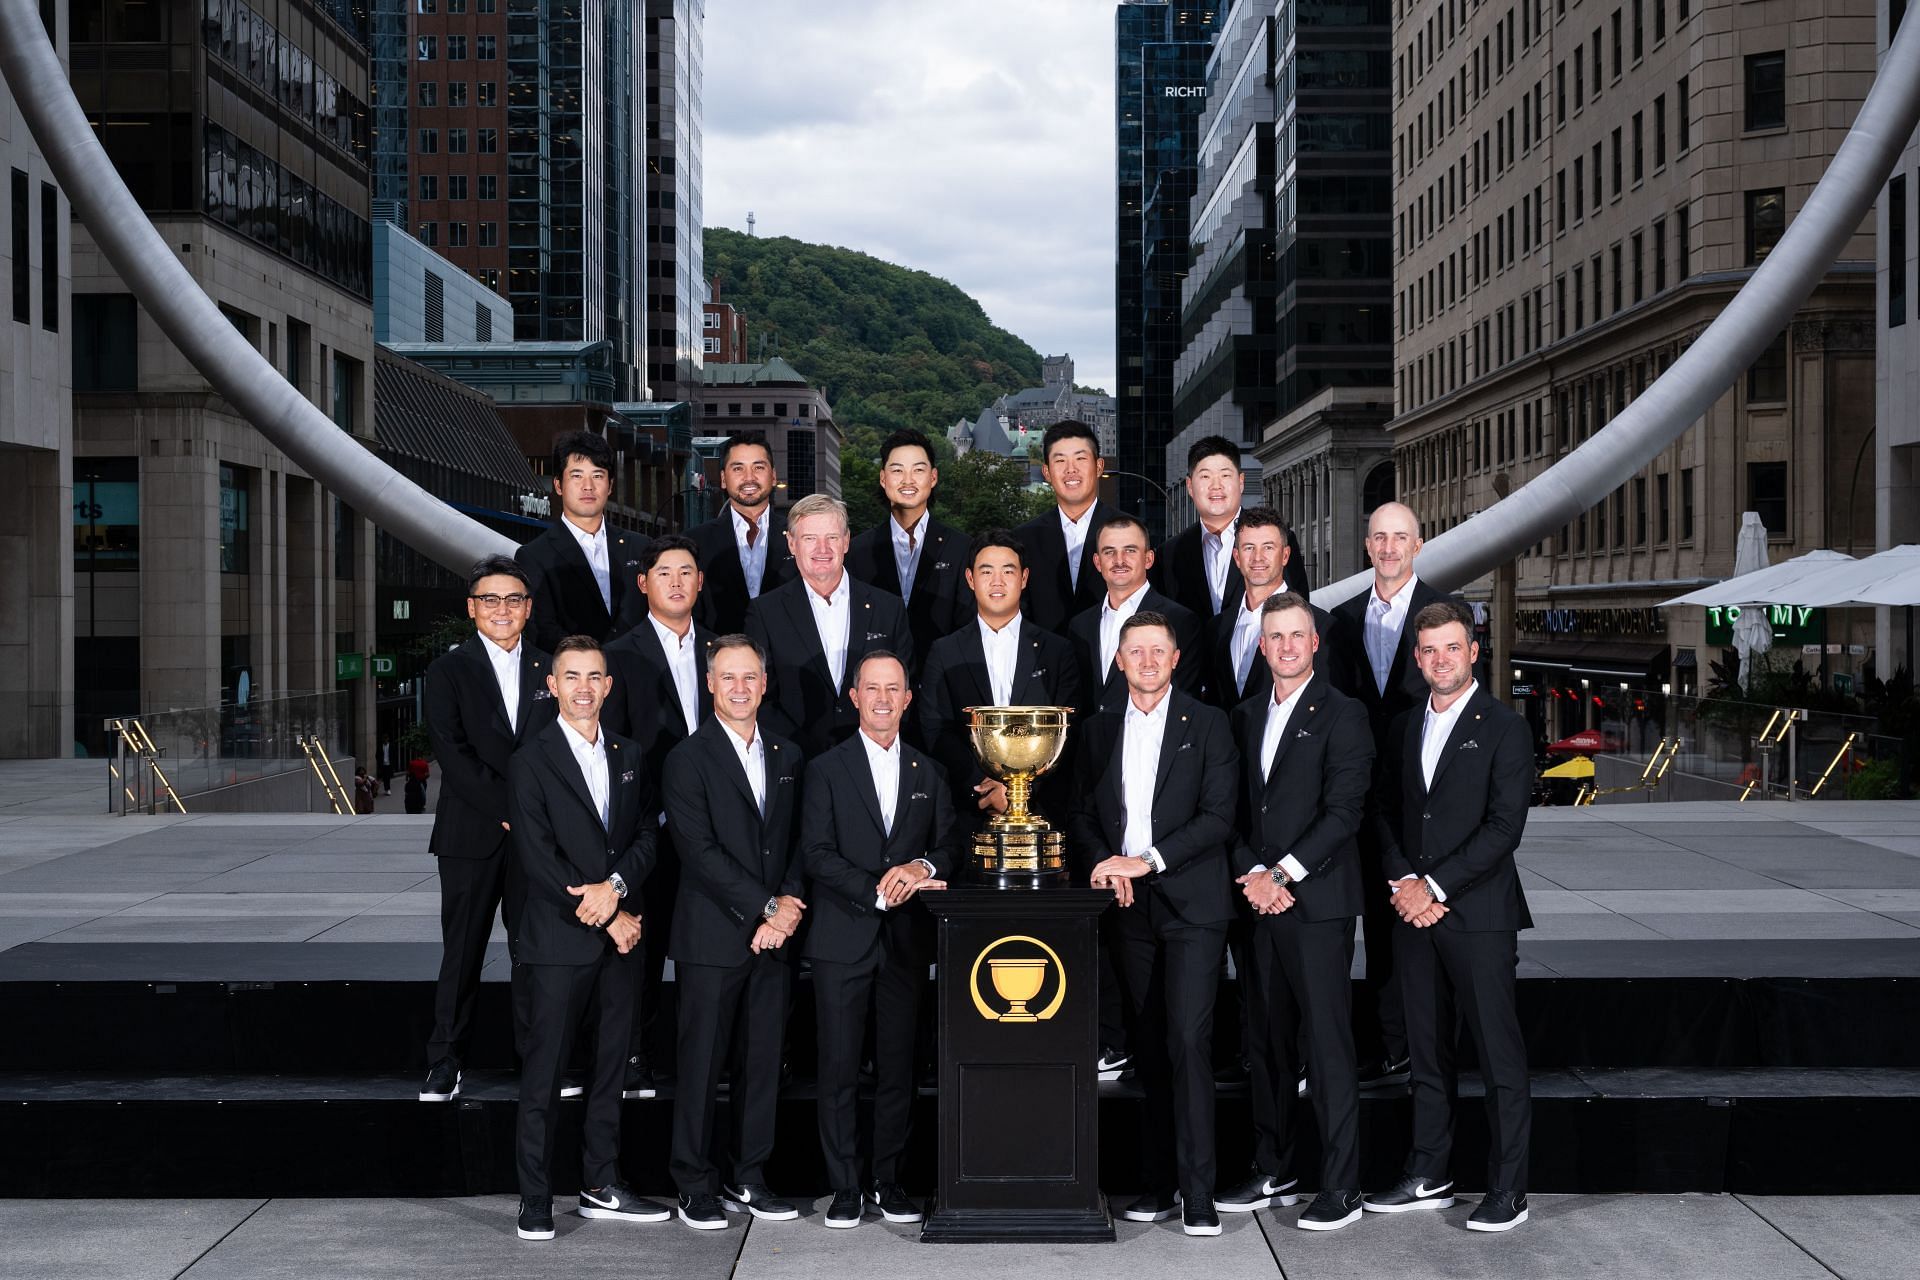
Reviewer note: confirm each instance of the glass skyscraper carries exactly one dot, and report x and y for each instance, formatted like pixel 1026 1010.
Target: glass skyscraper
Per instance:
pixel 676 283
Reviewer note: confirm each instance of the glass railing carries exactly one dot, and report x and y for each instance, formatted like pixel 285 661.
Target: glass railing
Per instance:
pixel 158 762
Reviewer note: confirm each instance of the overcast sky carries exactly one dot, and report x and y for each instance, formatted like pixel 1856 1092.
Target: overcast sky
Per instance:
pixel 970 140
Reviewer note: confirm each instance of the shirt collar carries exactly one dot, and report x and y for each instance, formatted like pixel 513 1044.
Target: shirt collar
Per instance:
pixel 740 521
pixel 1006 634
pixel 581 536
pixel 1453 711
pixel 498 654
pixel 578 740
pixel 1157 716
pixel 836 596
pixel 1081 525
pixel 1226 533
pixel 1127 607
pixel 1401 598
pixel 674 644
pixel 876 752
pixel 1292 698
pixel 919 528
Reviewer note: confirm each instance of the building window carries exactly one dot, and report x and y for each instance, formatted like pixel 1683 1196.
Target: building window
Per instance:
pixel 49 258
pixel 1766 222
pixel 456 93
pixel 456 235
pixel 484 48
pixel 106 509
pixel 733 409
pixel 427 49
pixel 1639 511
pixel 429 141
pixel 489 186
pixel 711 346
pixel 234 556
pixel 1663 486
pixel 1639 266
pixel 1639 150
pixel 429 187
pixel 1767 495
pixel 710 320
pixel 105 328
pixel 456 142
pixel 489 141
pixel 22 261
pixel 1639 29
pixel 456 187
pixel 800 467
pixel 1767 90
pixel 430 93
pixel 1618 286
pixel 346 390
pixel 489 93
pixel 456 48
pixel 1682 101
pixel 489 235
pixel 1686 504
pixel 1767 375
pixel 1660 132
pixel 1659 254
pixel 1683 240
pixel 1897 251
pixel 1620 518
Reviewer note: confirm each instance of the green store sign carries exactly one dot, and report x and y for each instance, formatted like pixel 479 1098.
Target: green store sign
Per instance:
pixel 1792 623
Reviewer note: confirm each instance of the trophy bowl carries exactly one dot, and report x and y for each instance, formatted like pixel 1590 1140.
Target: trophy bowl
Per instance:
pixel 1018 849
pixel 1017 982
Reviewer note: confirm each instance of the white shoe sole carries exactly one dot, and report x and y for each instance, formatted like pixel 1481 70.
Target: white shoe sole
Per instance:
pixel 1200 1231
pixel 439 1097
pixel 533 1235
pixel 721 1225
pixel 765 1215
pixel 903 1218
pixel 1135 1215
pixel 1335 1225
pixel 843 1224
pixel 621 1215
pixel 639 1093
pixel 1437 1202
pixel 1518 1218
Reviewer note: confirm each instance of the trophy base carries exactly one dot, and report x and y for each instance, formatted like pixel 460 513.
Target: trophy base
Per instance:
pixel 1019 855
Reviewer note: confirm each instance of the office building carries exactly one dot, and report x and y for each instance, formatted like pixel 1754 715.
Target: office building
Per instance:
pixel 775 399
pixel 1896 464
pixel 675 254
pixel 419 296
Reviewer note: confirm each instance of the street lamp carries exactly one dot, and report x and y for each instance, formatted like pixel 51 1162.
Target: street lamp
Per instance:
pixel 1135 475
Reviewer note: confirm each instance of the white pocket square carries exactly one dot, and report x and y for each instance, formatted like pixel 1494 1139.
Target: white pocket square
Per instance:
pixel 1186 746
pixel 627 776
pixel 876 635
pixel 1469 745
pixel 1303 733
pixel 918 795
pixel 542 693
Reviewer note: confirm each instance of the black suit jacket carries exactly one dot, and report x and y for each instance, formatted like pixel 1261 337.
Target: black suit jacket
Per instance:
pixel 1051 598
pixel 566 599
pixel 644 705
pixel 802 701
pixel 732 859
pixel 1219 687
pixel 722 606
pixel 1045 674
pixel 1352 673
pixel 1180 571
pixel 846 849
pixel 559 841
pixel 1105 690
pixel 1464 829
pixel 472 741
pixel 942 602
pixel 1310 804
pixel 1193 805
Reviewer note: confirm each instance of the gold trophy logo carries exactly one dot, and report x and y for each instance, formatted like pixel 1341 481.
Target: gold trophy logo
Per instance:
pixel 1018 979
pixel 1018 849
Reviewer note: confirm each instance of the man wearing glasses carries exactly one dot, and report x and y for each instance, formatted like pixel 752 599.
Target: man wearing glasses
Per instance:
pixel 482 700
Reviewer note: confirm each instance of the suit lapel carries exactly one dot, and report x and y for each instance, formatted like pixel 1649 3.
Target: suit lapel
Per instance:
pixel 533 680
pixel 590 586
pixel 1463 730
pixel 1026 659
pixel 858 765
pixel 727 759
pixel 1179 725
pixel 616 765
pixel 800 617
pixel 1305 711
pixel 560 753
pixel 475 648
pixel 980 690
pixel 1403 651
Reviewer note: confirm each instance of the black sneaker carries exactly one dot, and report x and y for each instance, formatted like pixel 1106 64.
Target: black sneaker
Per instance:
pixel 1261 1191
pixel 1197 1218
pixel 1411 1193
pixel 1231 1072
pixel 536 1217
pixel 702 1212
pixel 573 1084
pixel 846 1209
pixel 443 1082
pixel 639 1082
pixel 1386 1073
pixel 1330 1211
pixel 1155 1206
pixel 1499 1211
pixel 1113 1064
pixel 618 1202
pixel 754 1198
pixel 895 1204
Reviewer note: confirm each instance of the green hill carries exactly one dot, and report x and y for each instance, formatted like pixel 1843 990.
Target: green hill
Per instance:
pixel 891 346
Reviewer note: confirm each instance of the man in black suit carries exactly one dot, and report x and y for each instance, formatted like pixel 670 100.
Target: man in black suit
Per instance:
pixel 659 698
pixel 481 701
pixel 876 827
pixel 1059 544
pixel 998 660
pixel 1372 660
pixel 1123 559
pixel 815 630
pixel 583 568
pixel 743 550
pixel 584 819
pixel 1308 763
pixel 1196 566
pixel 733 807
pixel 911 554
pixel 1261 555
pixel 1452 806
pixel 1155 781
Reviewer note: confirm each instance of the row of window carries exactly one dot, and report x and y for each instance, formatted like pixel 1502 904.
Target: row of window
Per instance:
pixel 485 141
pixel 489 234
pixel 488 187
pixel 276 208
pixel 452 6
pixel 486 93
pixel 736 409
pixel 247 42
pixel 20 240
pixel 428 48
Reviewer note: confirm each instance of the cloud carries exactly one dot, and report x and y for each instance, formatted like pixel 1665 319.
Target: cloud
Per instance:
pixel 971 141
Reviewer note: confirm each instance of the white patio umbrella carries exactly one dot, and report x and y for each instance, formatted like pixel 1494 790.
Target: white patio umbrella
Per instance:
pixel 1891 577
pixel 1784 583
pixel 1752 632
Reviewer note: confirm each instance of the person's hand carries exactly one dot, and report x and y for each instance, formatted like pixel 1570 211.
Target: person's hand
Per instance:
pixel 1430 917
pixel 598 902
pixel 766 938
pixel 1258 888
pixel 505 826
pixel 1122 887
pixel 899 883
pixel 624 929
pixel 993 795
pixel 929 883
pixel 1118 874
pixel 787 918
pixel 1411 899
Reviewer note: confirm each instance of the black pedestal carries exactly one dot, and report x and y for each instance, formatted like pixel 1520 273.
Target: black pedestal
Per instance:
pixel 1019 1010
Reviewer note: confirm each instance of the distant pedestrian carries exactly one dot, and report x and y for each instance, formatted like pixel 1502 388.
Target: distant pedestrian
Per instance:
pixel 365 790
pixel 416 786
pixel 387 766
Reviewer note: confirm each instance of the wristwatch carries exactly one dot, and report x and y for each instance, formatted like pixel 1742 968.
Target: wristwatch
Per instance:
pixel 771 910
pixel 1280 877
pixel 619 885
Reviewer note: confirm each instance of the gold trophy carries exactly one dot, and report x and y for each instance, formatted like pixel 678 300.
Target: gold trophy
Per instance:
pixel 1018 981
pixel 1016 745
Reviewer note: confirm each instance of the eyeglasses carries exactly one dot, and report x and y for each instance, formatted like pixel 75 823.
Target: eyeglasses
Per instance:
pixel 514 601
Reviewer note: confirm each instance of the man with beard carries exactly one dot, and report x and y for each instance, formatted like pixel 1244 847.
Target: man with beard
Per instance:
pixel 743 550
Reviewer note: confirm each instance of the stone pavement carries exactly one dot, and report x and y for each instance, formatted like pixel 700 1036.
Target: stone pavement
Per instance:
pixel 1695 1237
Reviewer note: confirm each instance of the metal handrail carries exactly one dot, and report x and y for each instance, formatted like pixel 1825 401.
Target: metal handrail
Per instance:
pixel 316 753
pixel 1651 775
pixel 134 734
pixel 1786 718
pixel 1845 747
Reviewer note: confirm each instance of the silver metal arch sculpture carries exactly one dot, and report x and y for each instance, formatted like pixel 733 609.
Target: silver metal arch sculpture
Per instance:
pixel 1662 413
pixel 191 320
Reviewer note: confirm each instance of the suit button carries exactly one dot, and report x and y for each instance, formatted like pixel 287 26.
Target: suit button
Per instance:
pixel 1263 808
pixel 1427 817
pixel 766 853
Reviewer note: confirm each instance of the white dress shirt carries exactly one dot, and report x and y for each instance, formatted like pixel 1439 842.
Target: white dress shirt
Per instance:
pixel 506 674
pixel 1139 767
pixel 683 665
pixel 1003 655
pixel 907 545
pixel 1245 643
pixel 1216 556
pixel 1279 714
pixel 1112 618
pixel 592 759
pixel 594 546
pixel 1434 732
pixel 753 758
pixel 753 559
pixel 832 618
pixel 1075 532
pixel 885 763
pixel 1385 620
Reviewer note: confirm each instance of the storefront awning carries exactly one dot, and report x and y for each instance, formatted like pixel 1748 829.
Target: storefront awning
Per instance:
pixel 1605 659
